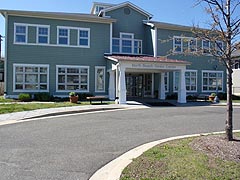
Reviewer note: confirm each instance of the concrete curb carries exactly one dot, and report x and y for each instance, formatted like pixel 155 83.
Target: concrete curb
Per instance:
pixel 113 170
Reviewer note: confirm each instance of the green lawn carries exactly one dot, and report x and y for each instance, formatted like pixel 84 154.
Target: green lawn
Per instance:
pixel 177 160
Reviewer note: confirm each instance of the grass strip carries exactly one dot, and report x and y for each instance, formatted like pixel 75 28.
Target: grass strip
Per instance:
pixel 177 160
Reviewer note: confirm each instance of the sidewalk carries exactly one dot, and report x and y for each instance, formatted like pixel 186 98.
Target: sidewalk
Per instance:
pixel 17 116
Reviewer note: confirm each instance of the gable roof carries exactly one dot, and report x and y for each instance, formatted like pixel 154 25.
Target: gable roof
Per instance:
pixel 129 4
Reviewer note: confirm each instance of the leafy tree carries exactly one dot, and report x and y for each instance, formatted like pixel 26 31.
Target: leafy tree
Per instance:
pixel 223 33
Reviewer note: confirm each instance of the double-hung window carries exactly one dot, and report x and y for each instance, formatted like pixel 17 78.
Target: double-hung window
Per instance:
pixel 30 77
pixel 190 80
pixel 212 81
pixel 20 33
pixel 206 46
pixel 177 44
pixel 84 38
pixel 127 42
pixel 43 35
pixel 99 79
pixel 63 36
pixel 72 78
pixel 192 45
pixel 219 48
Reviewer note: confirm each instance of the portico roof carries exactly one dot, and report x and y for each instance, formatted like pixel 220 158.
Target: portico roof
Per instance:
pixel 142 59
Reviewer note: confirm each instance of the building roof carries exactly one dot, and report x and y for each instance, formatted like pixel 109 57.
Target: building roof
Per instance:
pixel 129 4
pixel 118 58
pixel 59 15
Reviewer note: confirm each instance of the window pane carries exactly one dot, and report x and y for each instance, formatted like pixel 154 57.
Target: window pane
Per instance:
pixel 63 40
pixel 83 42
pixel 20 38
pixel 42 31
pixel 21 29
pixel 43 39
pixel 19 78
pixel 63 32
pixel 83 33
pixel 19 86
pixel 31 78
pixel 43 78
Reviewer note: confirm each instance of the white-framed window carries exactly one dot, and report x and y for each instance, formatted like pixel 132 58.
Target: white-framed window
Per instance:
pixel 206 46
pixel 212 81
pixel 126 44
pixel 72 78
pixel 30 78
pixel 219 47
pixel 190 80
pixel 98 9
pixel 166 81
pixel 20 33
pixel 177 44
pixel 43 34
pixel 100 79
pixel 63 36
pixel 192 44
pixel 84 37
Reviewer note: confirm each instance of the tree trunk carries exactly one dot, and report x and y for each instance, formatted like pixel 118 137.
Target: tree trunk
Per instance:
pixel 229 121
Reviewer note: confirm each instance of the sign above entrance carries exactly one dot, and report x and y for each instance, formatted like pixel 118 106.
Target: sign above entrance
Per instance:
pixel 154 66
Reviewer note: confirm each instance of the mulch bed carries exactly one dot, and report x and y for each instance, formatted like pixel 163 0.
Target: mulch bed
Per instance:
pixel 218 146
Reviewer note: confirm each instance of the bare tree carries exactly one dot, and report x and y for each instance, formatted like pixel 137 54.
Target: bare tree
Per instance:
pixel 224 33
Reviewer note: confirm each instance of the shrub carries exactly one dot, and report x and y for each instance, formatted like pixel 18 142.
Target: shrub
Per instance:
pixel 24 97
pixel 43 96
pixel 72 94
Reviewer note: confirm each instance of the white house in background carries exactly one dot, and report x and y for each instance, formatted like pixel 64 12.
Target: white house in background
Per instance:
pixel 236 72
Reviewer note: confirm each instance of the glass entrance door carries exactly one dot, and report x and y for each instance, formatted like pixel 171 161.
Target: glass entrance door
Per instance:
pixel 134 85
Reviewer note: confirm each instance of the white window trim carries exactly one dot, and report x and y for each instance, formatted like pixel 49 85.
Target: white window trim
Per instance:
pixel 26 34
pixel 84 29
pixel 68 36
pixel 30 65
pixel 104 83
pixel 189 45
pixel 178 37
pixel 188 70
pixel 71 66
pixel 209 46
pixel 37 34
pixel 209 71
pixel 166 73
pixel 196 71
pixel 132 39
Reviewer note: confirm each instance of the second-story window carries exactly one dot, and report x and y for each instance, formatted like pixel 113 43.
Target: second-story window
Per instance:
pixel 84 37
pixel 206 46
pixel 43 33
pixel 219 47
pixel 177 44
pixel 126 44
pixel 63 36
pixel 192 45
pixel 20 34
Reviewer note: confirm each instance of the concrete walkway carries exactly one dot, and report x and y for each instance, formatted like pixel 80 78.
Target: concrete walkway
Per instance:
pixel 17 116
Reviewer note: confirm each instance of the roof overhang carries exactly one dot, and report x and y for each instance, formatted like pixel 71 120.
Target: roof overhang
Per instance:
pixel 146 59
pixel 59 15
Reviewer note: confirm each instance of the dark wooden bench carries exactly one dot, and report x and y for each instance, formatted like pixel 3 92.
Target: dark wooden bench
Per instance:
pixel 96 98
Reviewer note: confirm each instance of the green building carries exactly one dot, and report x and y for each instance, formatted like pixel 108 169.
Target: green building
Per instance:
pixel 115 51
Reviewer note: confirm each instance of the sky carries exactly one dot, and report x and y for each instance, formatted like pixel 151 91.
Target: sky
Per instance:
pixel 182 12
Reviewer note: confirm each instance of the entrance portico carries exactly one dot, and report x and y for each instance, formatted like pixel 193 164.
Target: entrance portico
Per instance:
pixel 137 72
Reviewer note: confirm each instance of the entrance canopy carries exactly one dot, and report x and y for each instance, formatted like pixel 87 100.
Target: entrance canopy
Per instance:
pixel 148 63
pixel 143 64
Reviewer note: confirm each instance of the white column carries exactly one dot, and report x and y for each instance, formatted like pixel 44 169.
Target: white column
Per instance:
pixel 117 85
pixel 111 89
pixel 162 87
pixel 182 87
pixel 122 86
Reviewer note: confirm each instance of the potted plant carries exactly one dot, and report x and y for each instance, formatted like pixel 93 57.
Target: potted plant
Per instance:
pixel 212 96
pixel 73 97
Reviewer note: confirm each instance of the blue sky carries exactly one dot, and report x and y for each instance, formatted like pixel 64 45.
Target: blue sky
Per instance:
pixel 180 12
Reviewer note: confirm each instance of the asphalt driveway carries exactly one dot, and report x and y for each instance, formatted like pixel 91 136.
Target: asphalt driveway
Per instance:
pixel 74 147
